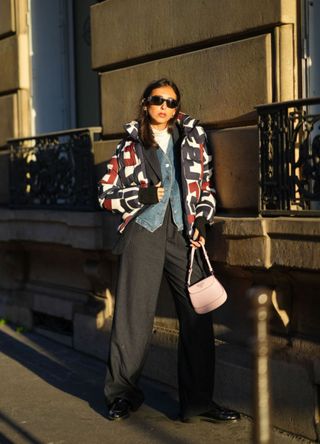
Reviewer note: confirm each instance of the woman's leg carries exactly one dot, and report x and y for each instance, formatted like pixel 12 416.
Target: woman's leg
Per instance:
pixel 139 280
pixel 196 358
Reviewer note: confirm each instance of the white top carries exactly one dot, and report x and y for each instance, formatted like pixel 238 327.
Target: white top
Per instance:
pixel 163 139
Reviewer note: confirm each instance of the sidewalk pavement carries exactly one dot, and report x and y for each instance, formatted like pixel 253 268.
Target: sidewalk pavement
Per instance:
pixel 51 394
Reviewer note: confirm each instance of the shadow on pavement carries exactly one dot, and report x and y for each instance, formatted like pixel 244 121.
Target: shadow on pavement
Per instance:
pixel 73 372
pixel 13 425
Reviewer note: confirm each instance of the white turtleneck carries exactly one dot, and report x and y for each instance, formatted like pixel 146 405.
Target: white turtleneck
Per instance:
pixel 163 139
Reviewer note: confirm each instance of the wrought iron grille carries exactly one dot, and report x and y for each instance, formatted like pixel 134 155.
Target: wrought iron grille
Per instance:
pixel 289 135
pixel 54 171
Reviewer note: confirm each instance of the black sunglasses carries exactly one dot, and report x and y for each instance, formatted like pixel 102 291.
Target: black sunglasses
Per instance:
pixel 158 100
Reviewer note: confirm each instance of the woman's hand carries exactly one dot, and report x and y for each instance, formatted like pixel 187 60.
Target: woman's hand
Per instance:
pixel 199 232
pixel 197 240
pixel 160 191
pixel 151 195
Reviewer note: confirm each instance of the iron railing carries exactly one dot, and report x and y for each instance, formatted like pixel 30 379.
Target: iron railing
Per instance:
pixel 290 158
pixel 54 171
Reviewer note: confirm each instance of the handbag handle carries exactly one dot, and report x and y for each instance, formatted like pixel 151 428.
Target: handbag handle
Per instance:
pixel 204 251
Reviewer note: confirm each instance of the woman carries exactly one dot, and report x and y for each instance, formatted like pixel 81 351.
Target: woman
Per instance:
pixel 159 179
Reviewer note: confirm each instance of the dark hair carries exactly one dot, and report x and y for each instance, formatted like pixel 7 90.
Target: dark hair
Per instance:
pixel 145 131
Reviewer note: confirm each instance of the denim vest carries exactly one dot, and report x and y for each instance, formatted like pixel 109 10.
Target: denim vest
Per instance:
pixel 152 217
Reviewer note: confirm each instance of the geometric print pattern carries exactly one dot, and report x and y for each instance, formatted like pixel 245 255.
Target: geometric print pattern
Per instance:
pixel 126 174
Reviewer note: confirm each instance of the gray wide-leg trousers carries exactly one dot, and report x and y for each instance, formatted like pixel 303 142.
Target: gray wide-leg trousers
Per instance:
pixel 145 257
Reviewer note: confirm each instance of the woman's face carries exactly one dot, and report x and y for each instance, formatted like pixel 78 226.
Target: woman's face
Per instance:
pixel 161 114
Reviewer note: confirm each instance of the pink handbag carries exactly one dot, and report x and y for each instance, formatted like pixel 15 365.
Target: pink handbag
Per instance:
pixel 207 294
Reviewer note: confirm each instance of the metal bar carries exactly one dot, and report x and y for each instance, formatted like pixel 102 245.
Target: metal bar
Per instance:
pixel 289 158
pixel 289 104
pixel 91 130
pixel 54 171
pixel 260 298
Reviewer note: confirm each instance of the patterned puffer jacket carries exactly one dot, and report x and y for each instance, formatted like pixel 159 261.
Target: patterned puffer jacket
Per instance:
pixel 126 173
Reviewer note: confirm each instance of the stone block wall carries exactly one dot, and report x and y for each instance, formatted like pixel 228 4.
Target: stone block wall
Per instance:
pixel 14 71
pixel 56 268
pixel 226 57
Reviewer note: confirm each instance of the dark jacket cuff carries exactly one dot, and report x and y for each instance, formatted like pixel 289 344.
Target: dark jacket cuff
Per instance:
pixel 200 224
pixel 148 196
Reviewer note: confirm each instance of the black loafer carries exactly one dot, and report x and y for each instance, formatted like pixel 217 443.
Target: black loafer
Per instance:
pixel 215 414
pixel 119 409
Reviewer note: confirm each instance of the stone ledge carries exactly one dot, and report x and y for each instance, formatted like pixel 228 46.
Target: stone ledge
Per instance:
pixel 87 230
pixel 245 242
pixel 266 242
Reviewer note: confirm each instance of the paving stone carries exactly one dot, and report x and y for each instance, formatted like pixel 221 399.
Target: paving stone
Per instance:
pixel 53 394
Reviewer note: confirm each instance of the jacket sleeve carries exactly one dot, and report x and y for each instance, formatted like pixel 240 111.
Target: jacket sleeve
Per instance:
pixel 112 194
pixel 206 206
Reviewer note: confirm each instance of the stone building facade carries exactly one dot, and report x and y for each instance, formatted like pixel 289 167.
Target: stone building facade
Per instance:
pixel 57 273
